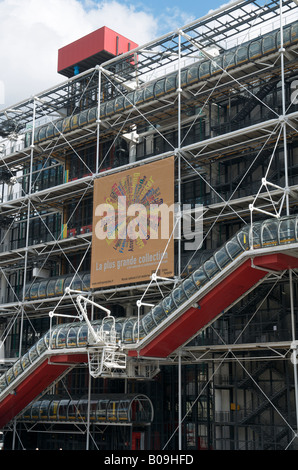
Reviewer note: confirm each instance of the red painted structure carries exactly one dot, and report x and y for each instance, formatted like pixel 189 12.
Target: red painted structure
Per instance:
pixel 35 383
pixel 240 281
pixel 91 50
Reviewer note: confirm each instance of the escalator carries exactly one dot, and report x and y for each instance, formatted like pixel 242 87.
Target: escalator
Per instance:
pixel 231 272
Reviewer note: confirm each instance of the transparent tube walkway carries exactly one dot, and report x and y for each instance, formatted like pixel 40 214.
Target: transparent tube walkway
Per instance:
pixel 239 265
pixel 130 409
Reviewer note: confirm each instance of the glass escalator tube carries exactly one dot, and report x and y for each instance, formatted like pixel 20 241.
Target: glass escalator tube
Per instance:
pixel 222 257
pixel 255 49
pixel 25 360
pixel 73 411
pixel 44 410
pixel 234 247
pixel 41 345
pixel 102 409
pixel 168 305
pixel 54 333
pixel 211 268
pixel 179 296
pixel 269 233
pixel 158 313
pixel 83 336
pixel 204 70
pixel 216 64
pixel 61 338
pixel 127 330
pixel 200 277
pixel 62 413
pixel 3 383
pixel 189 287
pixel 35 411
pixel 53 409
pixel 42 289
pixel 17 368
pixel 241 54
pixel 287 230
pixel 148 322
pixel 138 331
pixel 33 353
pixel 71 338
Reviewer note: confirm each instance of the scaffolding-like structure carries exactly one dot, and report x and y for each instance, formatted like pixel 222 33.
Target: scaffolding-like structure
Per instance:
pixel 231 124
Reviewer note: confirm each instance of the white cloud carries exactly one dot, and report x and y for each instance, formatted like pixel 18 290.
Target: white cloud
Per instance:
pixel 32 31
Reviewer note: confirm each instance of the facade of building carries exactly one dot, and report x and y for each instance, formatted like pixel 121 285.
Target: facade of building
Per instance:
pixel 210 110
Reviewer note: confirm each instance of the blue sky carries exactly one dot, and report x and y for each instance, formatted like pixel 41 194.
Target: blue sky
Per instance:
pixel 32 31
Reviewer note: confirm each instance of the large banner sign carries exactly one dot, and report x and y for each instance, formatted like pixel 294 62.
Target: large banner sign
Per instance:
pixel 133 213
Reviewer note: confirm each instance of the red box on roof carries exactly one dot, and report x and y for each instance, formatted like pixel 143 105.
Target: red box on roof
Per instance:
pixel 95 48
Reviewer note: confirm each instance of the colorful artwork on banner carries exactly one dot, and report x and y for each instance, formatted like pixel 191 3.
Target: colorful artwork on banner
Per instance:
pixel 133 213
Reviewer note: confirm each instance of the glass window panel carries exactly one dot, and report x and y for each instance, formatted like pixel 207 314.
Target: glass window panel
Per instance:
pixel 159 87
pixel 42 290
pixel 119 103
pixel 148 95
pixel 287 231
pixel 10 376
pixel 158 313
pixel 189 287
pixel 204 70
pixel 34 291
pixel 170 84
pixel 255 49
pixel 148 322
pixel 200 277
pixel 128 102
pixel 222 257
pixel 53 409
pixel 241 54
pixel 35 410
pixel 192 74
pixel 168 305
pixel 86 282
pixel 112 414
pixel 33 353
pixel 123 410
pixel 51 288
pixel 233 248
pixel 229 59
pixel 269 43
pixel 72 338
pixel 139 331
pixel 3 383
pixel 17 368
pixel 179 296
pixel 62 410
pixel 294 32
pixel 256 235
pixel 243 237
pixel 269 233
pixel 61 338
pixel 53 338
pixel 73 409
pixel 83 336
pixel 44 409
pixel 25 361
pixel 210 267
pixel 102 408
pixel 59 286
pixel 41 347
pixel 216 64
pixel 127 334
